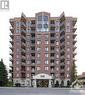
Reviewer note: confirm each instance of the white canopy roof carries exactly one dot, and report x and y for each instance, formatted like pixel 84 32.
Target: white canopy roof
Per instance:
pixel 42 76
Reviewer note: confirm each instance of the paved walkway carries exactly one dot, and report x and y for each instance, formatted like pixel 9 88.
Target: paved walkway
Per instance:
pixel 41 91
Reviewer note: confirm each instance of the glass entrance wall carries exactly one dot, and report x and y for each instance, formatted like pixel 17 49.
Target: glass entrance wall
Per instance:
pixel 42 83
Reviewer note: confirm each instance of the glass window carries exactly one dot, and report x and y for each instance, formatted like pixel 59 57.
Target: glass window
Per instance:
pixel 45 25
pixel 27 75
pixel 38 68
pixel 17 75
pixel 17 24
pixel 38 42
pixel 39 26
pixel 38 55
pixel 17 68
pixel 46 55
pixel 17 62
pixel 46 49
pixel 38 49
pixel 45 18
pixel 46 62
pixel 28 68
pixel 68 62
pixel 17 31
pixel 39 18
pixel 38 62
pixel 68 56
pixel 46 42
pixel 46 68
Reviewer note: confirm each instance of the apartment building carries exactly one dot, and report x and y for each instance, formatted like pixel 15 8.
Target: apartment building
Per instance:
pixel 42 50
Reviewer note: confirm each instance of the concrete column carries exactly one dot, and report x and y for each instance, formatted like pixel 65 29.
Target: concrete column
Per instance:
pixel 50 85
pixel 34 83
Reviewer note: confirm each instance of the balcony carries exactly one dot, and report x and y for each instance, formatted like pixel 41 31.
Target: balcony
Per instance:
pixel 33 70
pixel 23 75
pixel 23 39
pixel 74 36
pixel 23 57
pixel 52 64
pixel 23 45
pixel 74 29
pixel 74 54
pixel 11 65
pixel 12 22
pixel 12 30
pixel 11 53
pixel 11 59
pixel 74 48
pixel 11 35
pixel 12 42
pixel 11 48
pixel 74 21
pixel 23 32
pixel 74 42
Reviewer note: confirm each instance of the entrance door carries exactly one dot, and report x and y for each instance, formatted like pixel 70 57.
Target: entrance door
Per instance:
pixel 42 83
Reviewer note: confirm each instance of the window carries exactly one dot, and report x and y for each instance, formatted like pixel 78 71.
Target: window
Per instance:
pixel 68 37
pixel 28 68
pixel 27 75
pixel 38 62
pixel 38 68
pixel 46 68
pixel 38 49
pixel 46 42
pixel 17 56
pixel 67 75
pixel 17 75
pixel 68 62
pixel 33 22
pixel 40 18
pixel 52 48
pixel 17 69
pixel 17 62
pixel 17 24
pixel 39 26
pixel 46 49
pixel 38 42
pixel 57 75
pixel 52 22
pixel 46 36
pixel 57 49
pixel 45 25
pixel 28 23
pixel 38 55
pixel 57 68
pixel 42 23
pixel 52 35
pixel 52 54
pixel 57 43
pixel 68 49
pixel 68 43
pixel 46 55
pixel 46 62
pixel 68 69
pixel 68 56
pixel 57 62
pixel 45 18
pixel 17 31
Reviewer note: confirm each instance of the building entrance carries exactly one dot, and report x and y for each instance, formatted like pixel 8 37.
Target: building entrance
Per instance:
pixel 42 82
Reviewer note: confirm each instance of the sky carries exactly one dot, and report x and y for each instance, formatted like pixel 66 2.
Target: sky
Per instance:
pixel 74 8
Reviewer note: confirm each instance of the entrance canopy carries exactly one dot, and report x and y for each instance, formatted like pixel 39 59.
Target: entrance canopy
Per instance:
pixel 42 76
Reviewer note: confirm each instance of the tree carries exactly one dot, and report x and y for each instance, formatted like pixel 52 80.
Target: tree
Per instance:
pixel 73 73
pixel 3 74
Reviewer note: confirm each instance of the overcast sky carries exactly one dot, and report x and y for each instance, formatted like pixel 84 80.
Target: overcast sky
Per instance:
pixel 75 8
